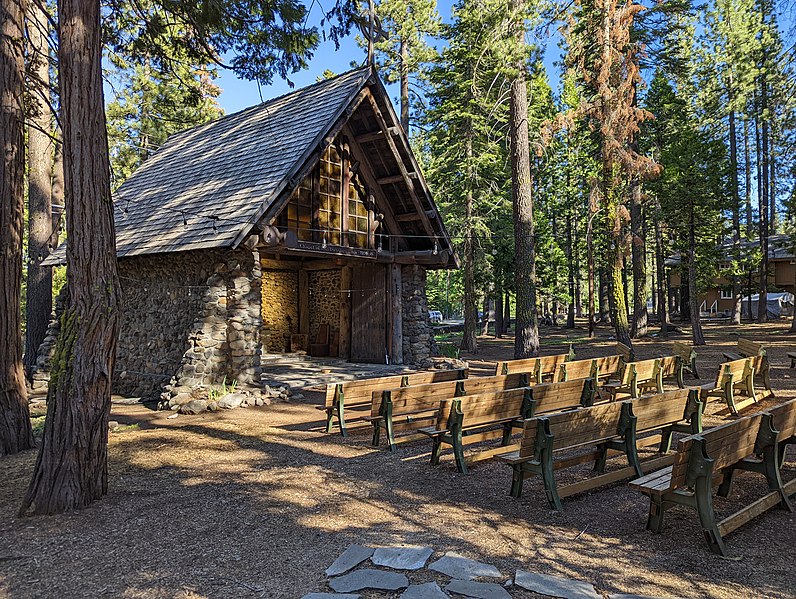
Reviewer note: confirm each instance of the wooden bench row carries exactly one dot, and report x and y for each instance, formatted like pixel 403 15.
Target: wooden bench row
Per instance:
pixel 739 376
pixel 703 461
pixel 351 400
pixel 611 426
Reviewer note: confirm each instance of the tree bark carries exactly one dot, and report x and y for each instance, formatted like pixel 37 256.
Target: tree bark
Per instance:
pixel 507 313
pixel 605 304
pixel 498 305
pixel 570 264
pixel 736 218
pixel 470 337
pixel 693 296
pixel 590 267
pixel 750 225
pixel 639 259
pixel 72 469
pixel 526 335
pixel 762 307
pixel 404 51
pixel 39 305
pixel 663 295
pixel 15 429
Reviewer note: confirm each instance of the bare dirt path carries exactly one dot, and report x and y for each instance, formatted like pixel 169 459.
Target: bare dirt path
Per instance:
pixel 258 502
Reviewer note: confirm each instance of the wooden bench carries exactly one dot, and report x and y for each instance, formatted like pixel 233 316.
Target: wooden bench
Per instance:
pixel 688 356
pixel 407 409
pixel 474 416
pixel 577 369
pixel 709 458
pixel 541 369
pixel 746 349
pixel 355 397
pixel 636 376
pixel 608 367
pixel 785 423
pixel 792 356
pixel 737 374
pixel 625 351
pixel 613 426
pixel 672 369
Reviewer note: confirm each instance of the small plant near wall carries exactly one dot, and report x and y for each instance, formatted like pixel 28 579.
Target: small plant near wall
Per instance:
pixel 216 393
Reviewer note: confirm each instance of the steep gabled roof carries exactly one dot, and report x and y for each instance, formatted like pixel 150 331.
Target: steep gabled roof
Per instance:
pixel 206 186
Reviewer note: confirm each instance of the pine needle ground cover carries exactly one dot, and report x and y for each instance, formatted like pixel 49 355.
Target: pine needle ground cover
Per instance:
pixel 259 502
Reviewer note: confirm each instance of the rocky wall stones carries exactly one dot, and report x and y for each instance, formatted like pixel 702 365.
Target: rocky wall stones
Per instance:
pixel 419 344
pixel 324 304
pixel 279 309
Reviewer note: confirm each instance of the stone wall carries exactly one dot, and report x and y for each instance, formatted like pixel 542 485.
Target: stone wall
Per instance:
pixel 188 319
pixel 419 344
pixel 324 300
pixel 280 308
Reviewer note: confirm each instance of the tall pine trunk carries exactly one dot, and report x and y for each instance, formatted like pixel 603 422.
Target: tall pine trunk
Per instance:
pixel 762 304
pixel 72 467
pixel 15 429
pixel 404 51
pixel 570 269
pixel 38 305
pixel 526 335
pixel 736 217
pixel 498 304
pixel 693 295
pixel 470 337
pixel 663 295
pixel 639 259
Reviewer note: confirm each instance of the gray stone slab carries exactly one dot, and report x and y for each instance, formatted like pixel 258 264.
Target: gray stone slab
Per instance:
pixel 463 568
pixel 369 579
pixel 430 590
pixel 350 558
pixel 633 596
pixel 331 596
pixel 478 590
pixel 555 586
pixel 402 558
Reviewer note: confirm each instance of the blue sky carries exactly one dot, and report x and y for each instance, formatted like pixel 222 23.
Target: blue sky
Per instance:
pixel 238 94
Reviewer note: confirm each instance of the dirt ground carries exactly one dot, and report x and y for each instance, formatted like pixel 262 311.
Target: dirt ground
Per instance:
pixel 258 502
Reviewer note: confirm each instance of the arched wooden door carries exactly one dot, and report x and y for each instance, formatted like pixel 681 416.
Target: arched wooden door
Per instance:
pixel 369 314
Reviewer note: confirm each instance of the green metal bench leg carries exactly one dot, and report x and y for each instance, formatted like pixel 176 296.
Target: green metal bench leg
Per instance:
pixel 506 439
pixel 516 481
pixel 548 477
pixel 767 380
pixel 602 457
pixel 388 428
pixel 458 453
pixel 376 434
pixel 707 517
pixel 329 418
pixel 726 484
pixel 666 441
pixel 341 417
pixel 632 453
pixel 655 518
pixel 436 450
pixel 729 396
pixel 694 368
pixel 771 470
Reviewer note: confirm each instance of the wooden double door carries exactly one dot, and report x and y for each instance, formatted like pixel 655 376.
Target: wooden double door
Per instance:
pixel 369 313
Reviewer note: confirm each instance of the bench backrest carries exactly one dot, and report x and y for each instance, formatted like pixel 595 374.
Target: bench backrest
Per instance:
pixel 573 428
pixel 684 350
pixel 664 409
pixel 414 398
pixel 482 384
pixel 484 408
pixel 737 368
pixel 785 419
pixel 608 366
pixel 724 445
pixel 361 390
pixel 749 348
pixel 536 367
pixel 646 369
pixel 434 376
pixel 624 351
pixel 577 369
pixel 669 366
pixel 554 397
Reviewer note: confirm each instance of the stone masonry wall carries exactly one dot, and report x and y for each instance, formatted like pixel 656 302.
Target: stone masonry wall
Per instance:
pixel 280 308
pixel 419 344
pixel 188 319
pixel 324 300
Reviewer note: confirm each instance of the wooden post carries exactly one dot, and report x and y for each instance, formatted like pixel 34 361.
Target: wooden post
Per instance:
pixel 303 302
pixel 396 294
pixel 345 312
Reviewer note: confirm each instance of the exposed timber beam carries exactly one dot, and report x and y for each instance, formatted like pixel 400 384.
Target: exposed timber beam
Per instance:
pixel 408 217
pixel 401 166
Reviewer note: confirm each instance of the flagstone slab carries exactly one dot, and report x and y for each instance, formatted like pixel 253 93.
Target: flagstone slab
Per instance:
pixel 634 596
pixel 369 579
pixel 477 590
pixel 331 596
pixel 463 568
pixel 402 558
pixel 429 590
pixel 555 586
pixel 350 558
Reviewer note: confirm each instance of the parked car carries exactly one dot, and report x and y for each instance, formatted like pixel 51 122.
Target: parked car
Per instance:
pixel 435 316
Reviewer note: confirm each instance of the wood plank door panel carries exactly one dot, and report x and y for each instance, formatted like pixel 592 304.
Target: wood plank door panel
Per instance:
pixel 369 314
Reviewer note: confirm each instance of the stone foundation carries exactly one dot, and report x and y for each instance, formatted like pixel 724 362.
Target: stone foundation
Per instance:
pixel 324 300
pixel 418 334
